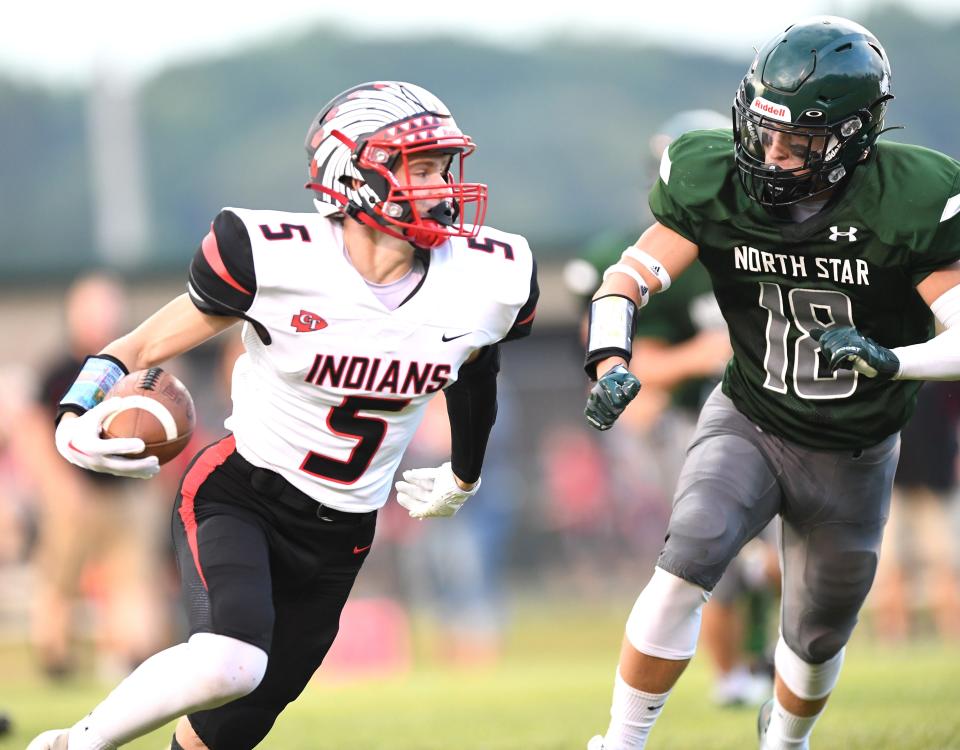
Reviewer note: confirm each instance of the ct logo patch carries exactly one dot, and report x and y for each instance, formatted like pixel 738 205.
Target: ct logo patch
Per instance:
pixel 836 234
pixel 305 321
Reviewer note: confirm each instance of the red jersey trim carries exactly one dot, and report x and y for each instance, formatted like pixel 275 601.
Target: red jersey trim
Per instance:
pixel 527 319
pixel 211 251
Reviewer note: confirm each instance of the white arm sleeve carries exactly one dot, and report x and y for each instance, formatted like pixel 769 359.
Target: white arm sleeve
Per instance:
pixel 938 358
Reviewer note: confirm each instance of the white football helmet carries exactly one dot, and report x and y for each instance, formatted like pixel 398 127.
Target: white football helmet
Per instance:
pixel 359 147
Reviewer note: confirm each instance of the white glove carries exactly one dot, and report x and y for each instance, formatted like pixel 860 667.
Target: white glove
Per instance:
pixel 78 441
pixel 427 493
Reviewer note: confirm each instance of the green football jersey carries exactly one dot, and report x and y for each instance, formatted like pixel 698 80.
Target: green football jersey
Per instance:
pixel 856 263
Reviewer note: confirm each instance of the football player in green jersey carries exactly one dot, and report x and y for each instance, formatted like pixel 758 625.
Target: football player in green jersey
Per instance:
pixel 830 254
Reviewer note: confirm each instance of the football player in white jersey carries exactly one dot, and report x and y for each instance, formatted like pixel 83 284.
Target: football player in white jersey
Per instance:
pixel 354 317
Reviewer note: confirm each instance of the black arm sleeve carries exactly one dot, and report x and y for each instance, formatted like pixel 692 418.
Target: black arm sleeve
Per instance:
pixel 472 409
pixel 524 320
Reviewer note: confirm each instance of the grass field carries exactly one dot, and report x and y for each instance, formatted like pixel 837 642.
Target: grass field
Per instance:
pixel 551 692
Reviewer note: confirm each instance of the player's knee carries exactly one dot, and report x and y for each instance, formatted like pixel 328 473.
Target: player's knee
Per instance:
pixel 807 676
pixel 665 620
pixel 227 668
pixel 704 535
pixel 836 593
pixel 825 647
pixel 819 637
pixel 841 581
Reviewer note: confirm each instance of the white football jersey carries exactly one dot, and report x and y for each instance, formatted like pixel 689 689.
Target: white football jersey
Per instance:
pixel 333 384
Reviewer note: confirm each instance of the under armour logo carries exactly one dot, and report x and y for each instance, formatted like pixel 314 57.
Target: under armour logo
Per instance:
pixel 836 234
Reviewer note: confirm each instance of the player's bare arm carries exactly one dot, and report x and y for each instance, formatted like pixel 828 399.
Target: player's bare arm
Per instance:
pixel 645 268
pixel 175 328
pixel 939 283
pixel 664 245
pixel 672 249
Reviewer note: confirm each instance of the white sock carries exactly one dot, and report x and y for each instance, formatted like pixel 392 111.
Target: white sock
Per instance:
pixel 204 673
pixel 632 714
pixel 787 731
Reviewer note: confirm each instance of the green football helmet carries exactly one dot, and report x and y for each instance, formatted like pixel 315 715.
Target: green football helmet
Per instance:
pixel 809 109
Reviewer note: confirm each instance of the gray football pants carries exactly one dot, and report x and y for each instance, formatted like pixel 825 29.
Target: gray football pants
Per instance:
pixel 832 507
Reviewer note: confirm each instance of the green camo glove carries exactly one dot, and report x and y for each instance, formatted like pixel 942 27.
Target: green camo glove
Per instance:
pixel 848 349
pixel 609 397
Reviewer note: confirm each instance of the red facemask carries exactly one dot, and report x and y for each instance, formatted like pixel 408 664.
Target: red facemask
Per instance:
pixel 458 208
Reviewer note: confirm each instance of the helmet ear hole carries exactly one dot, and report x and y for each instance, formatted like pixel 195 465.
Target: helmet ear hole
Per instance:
pixel 851 126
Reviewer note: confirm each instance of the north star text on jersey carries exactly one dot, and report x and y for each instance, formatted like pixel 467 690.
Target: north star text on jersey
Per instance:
pixel 854 271
pixel 375 375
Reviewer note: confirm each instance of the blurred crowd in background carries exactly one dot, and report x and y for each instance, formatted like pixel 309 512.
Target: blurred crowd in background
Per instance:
pixel 87 576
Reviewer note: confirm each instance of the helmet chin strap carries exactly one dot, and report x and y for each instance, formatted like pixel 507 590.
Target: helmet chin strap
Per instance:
pixel 355 213
pixel 444 214
pixel 424 239
pixel 427 238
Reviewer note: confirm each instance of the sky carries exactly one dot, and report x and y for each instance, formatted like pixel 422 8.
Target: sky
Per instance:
pixel 65 42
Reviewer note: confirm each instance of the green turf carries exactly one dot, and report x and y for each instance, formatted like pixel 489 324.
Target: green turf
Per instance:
pixel 551 692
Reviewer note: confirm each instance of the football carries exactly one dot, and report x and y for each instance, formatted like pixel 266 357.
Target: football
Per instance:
pixel 160 413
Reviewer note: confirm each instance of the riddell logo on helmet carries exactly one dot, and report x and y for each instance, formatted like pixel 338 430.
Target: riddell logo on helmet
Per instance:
pixel 307 321
pixel 770 109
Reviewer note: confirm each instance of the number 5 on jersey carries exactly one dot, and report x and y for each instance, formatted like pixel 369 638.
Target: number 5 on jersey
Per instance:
pixel 345 421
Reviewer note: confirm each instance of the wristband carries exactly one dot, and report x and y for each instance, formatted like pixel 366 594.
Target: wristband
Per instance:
pixel 633 274
pixel 97 376
pixel 610 332
pixel 653 265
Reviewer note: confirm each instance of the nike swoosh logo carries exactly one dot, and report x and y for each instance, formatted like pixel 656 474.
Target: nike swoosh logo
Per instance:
pixel 444 337
pixel 654 708
pixel 358 550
